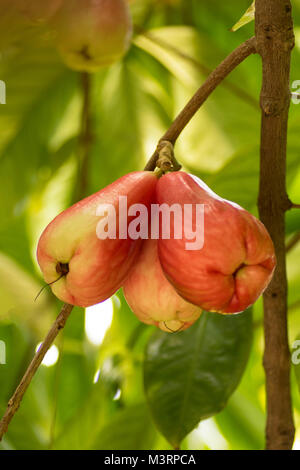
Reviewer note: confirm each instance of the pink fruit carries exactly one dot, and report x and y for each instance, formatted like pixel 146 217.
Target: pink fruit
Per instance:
pixel 92 33
pixel 91 269
pixel 237 260
pixel 38 10
pixel 152 298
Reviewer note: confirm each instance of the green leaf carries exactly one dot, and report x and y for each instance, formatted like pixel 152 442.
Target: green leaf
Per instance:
pixel 79 432
pixel 189 376
pixel 130 429
pixel 247 17
pixel 28 150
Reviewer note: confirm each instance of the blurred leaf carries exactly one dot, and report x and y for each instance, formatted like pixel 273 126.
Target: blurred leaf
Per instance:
pixel 14 242
pixel 16 342
pixel 246 18
pixel 81 430
pixel 242 423
pixel 189 376
pixel 292 221
pixel 28 151
pixel 129 429
pixel 241 171
pixel 18 289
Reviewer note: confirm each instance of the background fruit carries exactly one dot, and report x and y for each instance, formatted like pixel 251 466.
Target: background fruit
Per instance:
pixel 38 10
pixel 92 33
pixel 92 269
pixel 152 298
pixel 237 260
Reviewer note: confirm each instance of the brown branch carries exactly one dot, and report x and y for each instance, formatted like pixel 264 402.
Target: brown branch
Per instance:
pixel 214 79
pixel 85 139
pixel 275 40
pixel 238 91
pixel 16 399
pixel 295 206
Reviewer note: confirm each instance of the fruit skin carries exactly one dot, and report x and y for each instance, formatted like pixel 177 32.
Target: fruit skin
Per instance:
pixel 38 10
pixel 92 33
pixel 237 260
pixel 152 298
pixel 94 269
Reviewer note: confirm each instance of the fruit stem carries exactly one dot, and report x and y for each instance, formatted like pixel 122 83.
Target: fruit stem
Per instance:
pixel 166 160
pixel 62 268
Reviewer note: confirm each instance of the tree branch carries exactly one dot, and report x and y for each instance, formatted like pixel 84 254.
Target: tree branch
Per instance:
pixel 275 40
pixel 292 242
pixel 16 399
pixel 213 80
pixel 85 139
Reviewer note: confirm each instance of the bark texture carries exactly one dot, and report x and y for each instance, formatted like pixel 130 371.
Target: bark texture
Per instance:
pixel 274 42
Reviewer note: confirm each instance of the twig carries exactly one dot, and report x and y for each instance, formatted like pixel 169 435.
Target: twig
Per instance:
pixel 292 242
pixel 16 399
pixel 85 138
pixel 214 79
pixel 238 91
pixel 295 206
pixel 275 40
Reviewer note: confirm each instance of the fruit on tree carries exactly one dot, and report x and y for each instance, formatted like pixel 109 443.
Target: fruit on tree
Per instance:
pixel 237 259
pixel 152 298
pixel 92 33
pixel 81 268
pixel 38 10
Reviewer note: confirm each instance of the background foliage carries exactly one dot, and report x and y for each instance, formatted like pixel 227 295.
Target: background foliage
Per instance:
pixel 126 385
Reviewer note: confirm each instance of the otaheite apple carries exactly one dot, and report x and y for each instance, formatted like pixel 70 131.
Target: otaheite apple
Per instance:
pixel 38 10
pixel 92 33
pixel 236 262
pixel 83 268
pixel 152 298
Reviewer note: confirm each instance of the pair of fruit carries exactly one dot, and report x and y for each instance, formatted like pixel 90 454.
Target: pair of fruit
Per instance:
pixel 89 33
pixel 164 282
